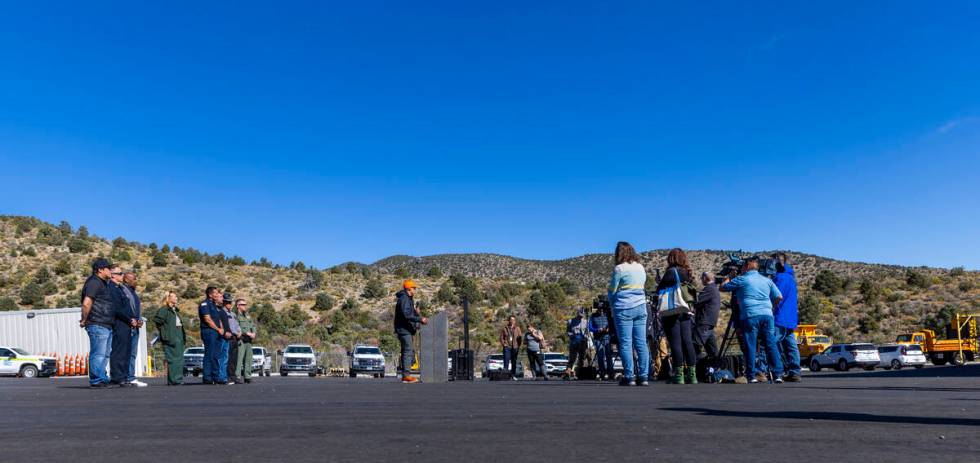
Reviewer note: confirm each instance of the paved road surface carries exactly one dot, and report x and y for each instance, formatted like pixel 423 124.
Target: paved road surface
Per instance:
pixel 910 415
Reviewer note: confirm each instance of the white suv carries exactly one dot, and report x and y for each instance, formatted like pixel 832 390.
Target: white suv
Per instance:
pixel 896 356
pixel 298 358
pixel 844 356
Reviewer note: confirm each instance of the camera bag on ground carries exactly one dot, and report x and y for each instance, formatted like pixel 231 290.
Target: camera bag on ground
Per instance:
pixel 501 375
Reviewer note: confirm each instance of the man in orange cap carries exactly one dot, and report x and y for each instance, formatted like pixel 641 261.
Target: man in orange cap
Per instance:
pixel 406 322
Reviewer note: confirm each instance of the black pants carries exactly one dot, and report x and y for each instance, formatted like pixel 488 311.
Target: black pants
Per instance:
pixel 232 359
pixel 705 341
pixel 119 357
pixel 576 355
pixel 679 330
pixel 408 352
pixel 536 360
pixel 510 360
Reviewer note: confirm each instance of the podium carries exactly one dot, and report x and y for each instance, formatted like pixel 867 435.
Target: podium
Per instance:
pixel 434 355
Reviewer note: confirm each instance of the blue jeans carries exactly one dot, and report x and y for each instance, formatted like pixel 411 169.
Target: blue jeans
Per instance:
pixel 604 355
pixel 221 374
pixel 753 327
pixel 210 339
pixel 134 344
pixel 631 326
pixel 99 346
pixel 786 341
pixel 510 360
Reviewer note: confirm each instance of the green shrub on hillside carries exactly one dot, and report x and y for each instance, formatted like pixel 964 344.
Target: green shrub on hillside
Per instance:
pixel 870 291
pixel 809 309
pixel 828 283
pixel 434 272
pixel 31 294
pixel 42 276
pixel 63 267
pixel 917 279
pixel 323 302
pixel 957 272
pixel 7 304
pixel 374 289
pixel 79 245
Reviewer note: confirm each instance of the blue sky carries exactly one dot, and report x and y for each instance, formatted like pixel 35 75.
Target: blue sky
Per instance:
pixel 328 132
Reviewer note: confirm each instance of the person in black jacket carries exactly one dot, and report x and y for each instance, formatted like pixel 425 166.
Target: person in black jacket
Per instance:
pixel 679 327
pixel 122 329
pixel 706 317
pixel 98 315
pixel 407 319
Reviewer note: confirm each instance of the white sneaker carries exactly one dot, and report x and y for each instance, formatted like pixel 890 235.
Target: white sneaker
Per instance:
pixel 139 383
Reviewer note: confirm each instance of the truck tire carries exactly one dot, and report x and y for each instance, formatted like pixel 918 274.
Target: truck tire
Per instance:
pixel 842 365
pixel 938 359
pixel 957 359
pixel 28 371
pixel 896 365
pixel 814 366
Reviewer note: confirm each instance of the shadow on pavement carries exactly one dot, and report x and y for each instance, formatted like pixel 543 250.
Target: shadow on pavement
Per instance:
pixel 969 370
pixel 895 388
pixel 833 416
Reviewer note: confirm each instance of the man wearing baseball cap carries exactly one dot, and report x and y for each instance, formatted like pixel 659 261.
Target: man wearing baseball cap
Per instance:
pixel 406 321
pixel 98 316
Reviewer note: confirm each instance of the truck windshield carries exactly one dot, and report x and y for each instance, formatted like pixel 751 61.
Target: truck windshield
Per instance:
pixel 904 338
pixel 20 351
pixel 299 350
pixel 368 351
pixel 257 351
pixel 820 340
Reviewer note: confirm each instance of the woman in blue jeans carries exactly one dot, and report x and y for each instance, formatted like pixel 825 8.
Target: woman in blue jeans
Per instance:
pixel 627 299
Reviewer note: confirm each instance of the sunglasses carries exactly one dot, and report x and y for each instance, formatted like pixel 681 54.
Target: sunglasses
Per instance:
pixel 117 273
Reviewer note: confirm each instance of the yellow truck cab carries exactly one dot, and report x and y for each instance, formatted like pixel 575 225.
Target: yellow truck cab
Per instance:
pixel 15 361
pixel 811 342
pixel 962 349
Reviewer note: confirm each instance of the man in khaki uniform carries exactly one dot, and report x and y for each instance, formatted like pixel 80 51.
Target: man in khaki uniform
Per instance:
pixel 243 367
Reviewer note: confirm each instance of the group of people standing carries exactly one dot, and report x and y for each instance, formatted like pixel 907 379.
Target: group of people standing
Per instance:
pixel 112 318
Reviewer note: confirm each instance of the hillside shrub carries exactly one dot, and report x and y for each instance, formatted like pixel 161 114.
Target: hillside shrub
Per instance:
pixel 63 267
pixel 374 289
pixel 445 294
pixel 966 286
pixel 42 276
pixel 403 272
pixel 323 302
pixel 434 272
pixel 49 288
pixel 79 245
pixel 159 260
pixel 809 309
pixel 957 272
pixel 30 252
pixel 31 294
pixel 828 283
pixel 870 291
pixel 7 304
pixel 917 279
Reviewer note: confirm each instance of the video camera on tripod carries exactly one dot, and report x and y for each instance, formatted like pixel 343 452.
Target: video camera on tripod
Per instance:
pixel 732 268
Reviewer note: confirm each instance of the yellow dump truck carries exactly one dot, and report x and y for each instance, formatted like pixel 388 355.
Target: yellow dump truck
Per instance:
pixel 962 349
pixel 811 342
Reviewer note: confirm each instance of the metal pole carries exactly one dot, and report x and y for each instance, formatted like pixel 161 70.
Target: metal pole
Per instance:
pixel 466 324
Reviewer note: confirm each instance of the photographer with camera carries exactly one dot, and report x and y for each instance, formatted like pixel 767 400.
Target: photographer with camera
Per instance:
pixel 679 326
pixel 576 330
pixel 786 317
pixel 755 295
pixel 243 362
pixel 627 299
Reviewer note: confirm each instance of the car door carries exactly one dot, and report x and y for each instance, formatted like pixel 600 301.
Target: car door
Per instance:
pixel 7 366
pixel 833 355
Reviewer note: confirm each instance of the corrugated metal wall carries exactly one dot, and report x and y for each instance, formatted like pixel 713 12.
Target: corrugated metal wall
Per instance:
pixel 54 330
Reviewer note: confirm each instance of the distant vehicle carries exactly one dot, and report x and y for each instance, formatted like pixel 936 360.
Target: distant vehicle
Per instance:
pixel 953 350
pixel 811 342
pixel 193 360
pixel 367 360
pixel 495 362
pixel 555 363
pixel 298 358
pixel 896 356
pixel 15 361
pixel 843 357
pixel 261 361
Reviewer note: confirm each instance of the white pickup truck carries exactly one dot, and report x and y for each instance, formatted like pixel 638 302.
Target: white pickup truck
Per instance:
pixel 15 361
pixel 298 358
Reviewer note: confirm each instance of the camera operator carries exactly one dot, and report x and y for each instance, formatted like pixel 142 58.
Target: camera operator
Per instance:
pixel 755 295
pixel 599 327
pixel 786 317
pixel 706 312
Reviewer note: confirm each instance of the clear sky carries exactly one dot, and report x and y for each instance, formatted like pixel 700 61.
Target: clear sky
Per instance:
pixel 335 131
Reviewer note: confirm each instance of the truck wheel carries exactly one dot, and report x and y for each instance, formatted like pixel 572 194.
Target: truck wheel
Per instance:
pixel 28 371
pixel 938 360
pixel 957 359
pixel 896 365
pixel 312 374
pixel 842 365
pixel 352 374
pixel 814 366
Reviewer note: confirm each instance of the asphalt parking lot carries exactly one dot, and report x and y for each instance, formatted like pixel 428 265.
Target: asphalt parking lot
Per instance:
pixel 931 414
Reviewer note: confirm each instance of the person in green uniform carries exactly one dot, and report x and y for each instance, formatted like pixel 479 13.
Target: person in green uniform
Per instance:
pixel 243 367
pixel 172 336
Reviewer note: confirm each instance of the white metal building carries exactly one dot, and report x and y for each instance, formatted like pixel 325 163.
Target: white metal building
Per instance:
pixel 54 331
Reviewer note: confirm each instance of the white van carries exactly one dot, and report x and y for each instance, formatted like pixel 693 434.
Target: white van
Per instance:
pixel 896 356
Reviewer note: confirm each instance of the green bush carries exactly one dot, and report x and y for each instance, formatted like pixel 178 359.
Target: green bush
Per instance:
pixel 63 267
pixel 403 272
pixel 29 252
pixel 809 309
pixel 79 245
pixel 49 288
pixel 957 272
pixel 374 289
pixel 445 294
pixel 42 276
pixel 159 260
pixel 966 286
pixel 7 304
pixel 434 272
pixel 828 283
pixel 323 302
pixel 349 305
pixel 83 232
pixel 870 291
pixel 917 279
pixel 31 294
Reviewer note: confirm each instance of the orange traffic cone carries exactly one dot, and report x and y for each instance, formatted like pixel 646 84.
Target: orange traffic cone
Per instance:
pixel 73 366
pixel 78 365
pixel 61 365
pixel 84 369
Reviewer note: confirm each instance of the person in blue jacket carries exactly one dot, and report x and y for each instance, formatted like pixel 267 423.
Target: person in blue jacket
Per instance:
pixel 786 315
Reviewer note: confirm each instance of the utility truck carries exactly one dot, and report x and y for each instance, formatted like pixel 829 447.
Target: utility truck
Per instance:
pixel 957 350
pixel 811 341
